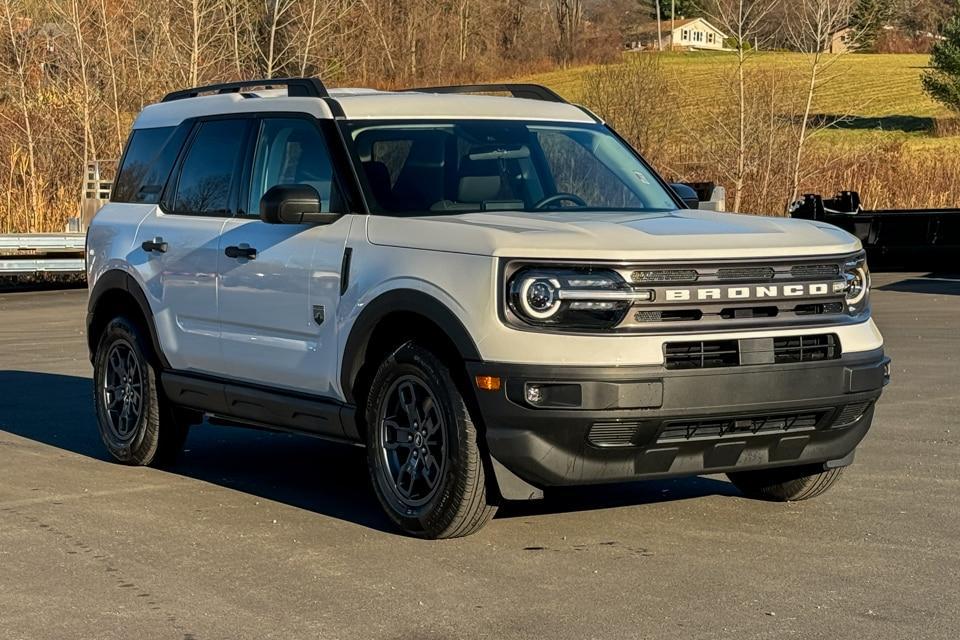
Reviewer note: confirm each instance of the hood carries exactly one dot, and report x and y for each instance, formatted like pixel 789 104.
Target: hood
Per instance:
pixel 675 235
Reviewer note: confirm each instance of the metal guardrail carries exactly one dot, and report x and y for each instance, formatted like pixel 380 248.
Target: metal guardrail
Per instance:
pixel 41 253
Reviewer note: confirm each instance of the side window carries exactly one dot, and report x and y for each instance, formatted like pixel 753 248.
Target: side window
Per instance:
pixel 149 158
pixel 210 168
pixel 292 151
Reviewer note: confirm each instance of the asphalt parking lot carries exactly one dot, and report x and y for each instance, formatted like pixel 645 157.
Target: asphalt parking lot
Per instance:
pixel 259 535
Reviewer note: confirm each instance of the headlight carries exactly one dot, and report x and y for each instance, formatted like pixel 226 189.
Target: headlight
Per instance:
pixel 856 279
pixel 571 298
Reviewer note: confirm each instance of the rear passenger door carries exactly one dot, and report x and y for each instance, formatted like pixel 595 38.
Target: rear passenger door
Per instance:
pixel 278 309
pixel 177 243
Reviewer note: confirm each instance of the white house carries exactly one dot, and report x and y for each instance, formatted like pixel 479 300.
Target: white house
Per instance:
pixel 687 33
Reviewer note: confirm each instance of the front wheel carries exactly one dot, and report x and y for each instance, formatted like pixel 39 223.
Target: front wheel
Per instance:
pixel 788 484
pixel 137 425
pixel 422 452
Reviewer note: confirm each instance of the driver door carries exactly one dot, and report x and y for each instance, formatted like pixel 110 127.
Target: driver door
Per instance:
pixel 279 284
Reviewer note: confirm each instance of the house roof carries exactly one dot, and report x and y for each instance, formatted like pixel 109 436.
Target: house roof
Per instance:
pixel 677 24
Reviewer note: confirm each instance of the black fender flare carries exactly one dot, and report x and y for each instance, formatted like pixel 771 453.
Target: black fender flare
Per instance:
pixel 114 280
pixel 399 300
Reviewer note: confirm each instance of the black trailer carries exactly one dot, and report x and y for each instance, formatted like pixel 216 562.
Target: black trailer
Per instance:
pixel 893 238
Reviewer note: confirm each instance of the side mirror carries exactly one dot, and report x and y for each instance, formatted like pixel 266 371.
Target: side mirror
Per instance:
pixel 293 204
pixel 686 193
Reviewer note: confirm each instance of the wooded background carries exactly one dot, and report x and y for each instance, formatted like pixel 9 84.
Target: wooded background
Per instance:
pixel 74 73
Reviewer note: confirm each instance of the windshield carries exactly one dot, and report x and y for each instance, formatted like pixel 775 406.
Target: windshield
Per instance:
pixel 479 165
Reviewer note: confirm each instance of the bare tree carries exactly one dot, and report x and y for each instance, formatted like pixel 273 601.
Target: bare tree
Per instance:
pixel 278 17
pixel 201 37
pixel 569 15
pixel 18 70
pixel 112 72
pixel 811 28
pixel 742 20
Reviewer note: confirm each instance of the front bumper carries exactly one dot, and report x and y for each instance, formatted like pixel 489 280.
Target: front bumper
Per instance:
pixel 612 424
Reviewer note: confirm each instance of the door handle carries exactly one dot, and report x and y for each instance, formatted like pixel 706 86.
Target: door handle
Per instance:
pixel 243 251
pixel 157 244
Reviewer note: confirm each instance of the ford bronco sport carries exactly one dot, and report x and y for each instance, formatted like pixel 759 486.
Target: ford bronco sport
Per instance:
pixel 494 294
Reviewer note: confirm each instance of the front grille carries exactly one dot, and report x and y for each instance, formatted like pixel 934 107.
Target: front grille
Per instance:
pixel 818 309
pixel 612 434
pixel 850 414
pixel 812 348
pixel 815 271
pixel 701 355
pixel 681 315
pixel 718 429
pixel 709 354
pixel 745 273
pixel 664 275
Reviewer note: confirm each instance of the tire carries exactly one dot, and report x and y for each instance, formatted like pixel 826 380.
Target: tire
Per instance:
pixel 137 425
pixel 422 453
pixel 789 484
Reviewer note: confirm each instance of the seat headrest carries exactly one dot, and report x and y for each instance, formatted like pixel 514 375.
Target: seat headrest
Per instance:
pixel 479 180
pixel 379 178
pixel 478 188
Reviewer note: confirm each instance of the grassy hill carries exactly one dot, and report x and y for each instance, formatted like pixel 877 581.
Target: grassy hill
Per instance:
pixel 887 136
pixel 877 86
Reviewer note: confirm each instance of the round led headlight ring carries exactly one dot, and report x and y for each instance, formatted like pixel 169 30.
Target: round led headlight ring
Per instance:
pixel 539 297
pixel 858 284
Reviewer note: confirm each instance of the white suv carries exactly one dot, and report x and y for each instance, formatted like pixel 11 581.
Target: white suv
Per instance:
pixel 495 295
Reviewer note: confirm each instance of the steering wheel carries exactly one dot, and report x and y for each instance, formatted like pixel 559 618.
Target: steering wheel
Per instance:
pixel 561 197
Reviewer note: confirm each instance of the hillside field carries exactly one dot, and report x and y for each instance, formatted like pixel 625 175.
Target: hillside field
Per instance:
pixel 888 136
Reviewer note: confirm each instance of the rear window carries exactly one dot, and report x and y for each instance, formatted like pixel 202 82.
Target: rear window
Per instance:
pixel 147 163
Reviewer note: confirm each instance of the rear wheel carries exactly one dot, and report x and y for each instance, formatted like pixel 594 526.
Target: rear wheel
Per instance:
pixel 789 484
pixel 422 452
pixel 137 425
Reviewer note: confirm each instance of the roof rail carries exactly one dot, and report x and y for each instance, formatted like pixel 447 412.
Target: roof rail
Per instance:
pixel 529 91
pixel 296 87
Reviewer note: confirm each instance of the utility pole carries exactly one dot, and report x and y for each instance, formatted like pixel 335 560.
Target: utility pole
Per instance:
pixel 659 30
pixel 673 22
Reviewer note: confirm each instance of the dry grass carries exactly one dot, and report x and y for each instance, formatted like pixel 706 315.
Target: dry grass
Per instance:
pixel 885 137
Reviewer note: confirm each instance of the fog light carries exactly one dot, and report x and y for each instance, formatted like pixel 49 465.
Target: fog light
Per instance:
pixel 534 394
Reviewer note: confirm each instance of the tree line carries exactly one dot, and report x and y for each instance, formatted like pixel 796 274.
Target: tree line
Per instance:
pixel 74 73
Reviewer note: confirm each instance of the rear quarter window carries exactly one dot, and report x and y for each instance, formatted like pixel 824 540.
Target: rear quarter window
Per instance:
pixel 147 162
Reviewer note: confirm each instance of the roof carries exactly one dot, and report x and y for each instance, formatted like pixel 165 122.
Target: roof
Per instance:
pixel 364 104
pixel 677 24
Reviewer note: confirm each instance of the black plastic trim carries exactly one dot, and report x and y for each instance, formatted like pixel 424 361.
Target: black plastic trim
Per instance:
pixel 296 87
pixel 517 90
pixel 345 270
pixel 120 280
pixel 549 446
pixel 399 300
pixel 261 406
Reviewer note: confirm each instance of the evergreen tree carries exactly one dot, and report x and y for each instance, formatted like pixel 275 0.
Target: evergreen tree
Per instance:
pixel 942 81
pixel 868 19
pixel 685 8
